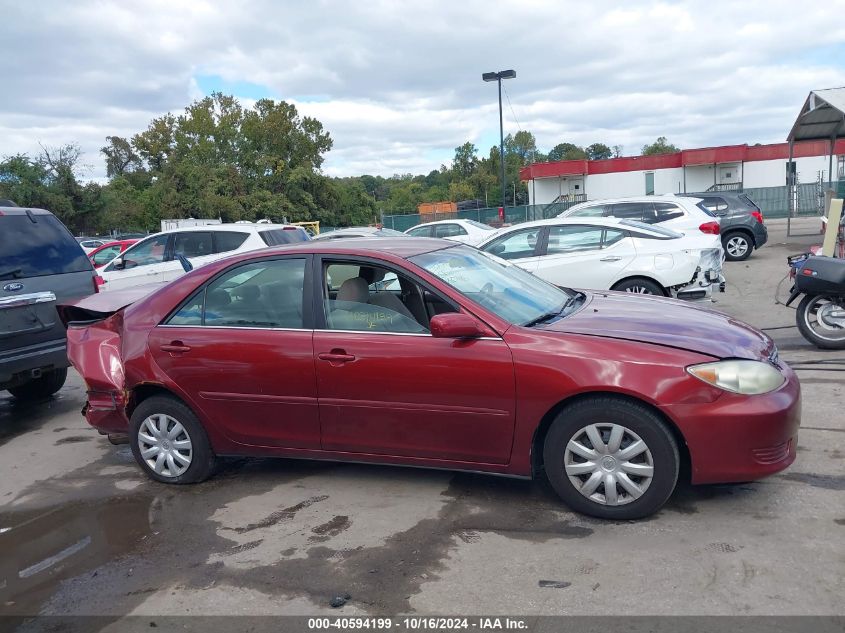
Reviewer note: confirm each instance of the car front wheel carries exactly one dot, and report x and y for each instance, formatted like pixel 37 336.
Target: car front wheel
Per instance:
pixel 738 246
pixel 611 458
pixel 169 443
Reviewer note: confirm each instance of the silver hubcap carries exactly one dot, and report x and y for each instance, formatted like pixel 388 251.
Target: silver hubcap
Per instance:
pixel 826 318
pixel 609 464
pixel 640 290
pixel 165 445
pixel 737 246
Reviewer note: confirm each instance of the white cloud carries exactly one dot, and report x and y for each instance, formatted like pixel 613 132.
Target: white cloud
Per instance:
pixel 399 83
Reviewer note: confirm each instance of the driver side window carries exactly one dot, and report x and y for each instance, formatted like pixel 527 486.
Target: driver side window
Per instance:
pixel 375 299
pixel 516 245
pixel 148 252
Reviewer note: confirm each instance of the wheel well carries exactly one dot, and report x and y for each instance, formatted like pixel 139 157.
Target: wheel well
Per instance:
pixel 546 423
pixel 644 278
pixel 746 232
pixel 143 392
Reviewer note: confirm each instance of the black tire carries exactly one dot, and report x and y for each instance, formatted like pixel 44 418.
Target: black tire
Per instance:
pixel 640 285
pixel 636 417
pixel 202 459
pixel 36 389
pixel 740 243
pixel 807 332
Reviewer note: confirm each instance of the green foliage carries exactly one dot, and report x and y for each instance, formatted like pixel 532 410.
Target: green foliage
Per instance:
pixel 660 146
pixel 598 151
pixel 567 151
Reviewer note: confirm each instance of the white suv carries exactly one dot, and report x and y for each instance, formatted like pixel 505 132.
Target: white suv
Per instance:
pixel 678 214
pixel 155 258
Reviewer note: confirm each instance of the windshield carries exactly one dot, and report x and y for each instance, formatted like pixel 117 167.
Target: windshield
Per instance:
pixel 479 225
pixel 278 237
pixel 506 290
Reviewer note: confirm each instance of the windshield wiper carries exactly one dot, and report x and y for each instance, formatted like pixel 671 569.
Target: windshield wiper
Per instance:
pixel 548 316
pixel 13 272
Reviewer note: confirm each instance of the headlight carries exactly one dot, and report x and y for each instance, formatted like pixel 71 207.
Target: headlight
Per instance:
pixel 748 377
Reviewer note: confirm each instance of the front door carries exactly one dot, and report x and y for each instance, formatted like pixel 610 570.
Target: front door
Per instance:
pixel 387 387
pixel 585 256
pixel 241 350
pixel 142 263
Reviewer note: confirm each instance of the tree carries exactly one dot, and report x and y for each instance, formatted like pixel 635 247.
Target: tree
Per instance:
pixel 660 146
pixel 465 161
pixel 522 144
pixel 617 151
pixel 567 151
pixel 121 158
pixel 598 151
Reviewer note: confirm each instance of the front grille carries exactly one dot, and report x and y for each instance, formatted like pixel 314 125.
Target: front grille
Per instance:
pixel 772 454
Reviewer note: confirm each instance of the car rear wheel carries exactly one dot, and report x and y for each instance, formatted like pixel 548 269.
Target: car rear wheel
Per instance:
pixel 639 286
pixel 737 245
pixel 611 458
pixel 46 385
pixel 169 443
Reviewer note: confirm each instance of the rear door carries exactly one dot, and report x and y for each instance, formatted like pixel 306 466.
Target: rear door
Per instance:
pixel 41 265
pixel 585 256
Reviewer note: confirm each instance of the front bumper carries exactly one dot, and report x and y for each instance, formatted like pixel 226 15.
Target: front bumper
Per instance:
pixel 741 438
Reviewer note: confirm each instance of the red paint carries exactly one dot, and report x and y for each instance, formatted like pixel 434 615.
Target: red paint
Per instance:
pixel 687 157
pixel 472 403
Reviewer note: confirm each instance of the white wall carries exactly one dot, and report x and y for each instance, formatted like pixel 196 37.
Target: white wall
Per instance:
pixel 761 173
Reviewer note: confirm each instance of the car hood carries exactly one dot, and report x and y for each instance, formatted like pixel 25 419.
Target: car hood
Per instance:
pixel 665 322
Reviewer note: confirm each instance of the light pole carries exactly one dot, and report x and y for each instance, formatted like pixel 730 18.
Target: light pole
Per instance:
pixel 497 77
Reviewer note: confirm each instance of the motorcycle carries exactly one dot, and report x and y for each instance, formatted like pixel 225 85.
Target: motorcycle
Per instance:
pixel 820 316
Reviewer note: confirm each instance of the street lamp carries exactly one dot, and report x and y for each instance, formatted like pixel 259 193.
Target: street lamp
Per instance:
pixel 497 77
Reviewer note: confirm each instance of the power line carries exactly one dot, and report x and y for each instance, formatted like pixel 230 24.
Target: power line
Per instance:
pixel 507 96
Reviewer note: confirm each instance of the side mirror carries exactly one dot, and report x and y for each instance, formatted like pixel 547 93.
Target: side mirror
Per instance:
pixel 119 264
pixel 186 265
pixel 455 325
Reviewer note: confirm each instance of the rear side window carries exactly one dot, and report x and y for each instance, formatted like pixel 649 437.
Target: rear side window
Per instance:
pixel 667 211
pixel 34 249
pixel 595 211
pixel 750 202
pixel 278 237
pixel 630 210
pixel 225 241
pixel 193 243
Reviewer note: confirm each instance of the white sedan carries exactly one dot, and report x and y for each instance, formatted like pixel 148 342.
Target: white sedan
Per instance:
pixel 466 231
pixel 613 254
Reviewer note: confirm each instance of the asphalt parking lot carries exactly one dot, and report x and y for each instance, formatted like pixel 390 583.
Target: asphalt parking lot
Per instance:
pixel 82 531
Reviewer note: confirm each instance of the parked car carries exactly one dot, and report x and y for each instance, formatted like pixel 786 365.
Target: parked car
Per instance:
pixel 613 254
pixel 472 364
pixel 155 258
pixel 741 221
pixel 466 231
pixel 88 244
pixel 678 214
pixel 358 231
pixel 102 255
pixel 40 263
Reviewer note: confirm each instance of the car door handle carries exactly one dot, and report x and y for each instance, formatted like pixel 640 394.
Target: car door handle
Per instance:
pixel 175 347
pixel 610 258
pixel 336 357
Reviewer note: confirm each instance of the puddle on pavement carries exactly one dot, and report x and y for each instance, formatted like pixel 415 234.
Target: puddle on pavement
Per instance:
pixel 40 548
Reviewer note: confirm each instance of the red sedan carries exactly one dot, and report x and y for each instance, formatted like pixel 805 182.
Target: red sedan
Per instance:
pixel 428 353
pixel 102 255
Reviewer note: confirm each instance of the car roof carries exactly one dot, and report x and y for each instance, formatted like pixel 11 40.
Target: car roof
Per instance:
pixel 458 220
pixel 402 247
pixel 242 228
pixel 23 211
pixel 556 221
pixel 661 198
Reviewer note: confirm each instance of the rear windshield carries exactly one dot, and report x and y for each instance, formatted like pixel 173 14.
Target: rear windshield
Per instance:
pixel 277 237
pixel 750 202
pixel 34 249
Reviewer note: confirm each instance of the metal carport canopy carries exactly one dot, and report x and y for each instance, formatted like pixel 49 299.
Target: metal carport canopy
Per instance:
pixel 822 117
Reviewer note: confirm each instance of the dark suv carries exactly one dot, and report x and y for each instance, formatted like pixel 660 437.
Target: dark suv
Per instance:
pixel 40 263
pixel 740 220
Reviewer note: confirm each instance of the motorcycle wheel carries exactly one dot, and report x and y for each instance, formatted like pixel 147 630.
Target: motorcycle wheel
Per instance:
pixel 821 320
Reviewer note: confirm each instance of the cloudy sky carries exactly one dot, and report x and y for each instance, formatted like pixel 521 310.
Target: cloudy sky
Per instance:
pixel 398 84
